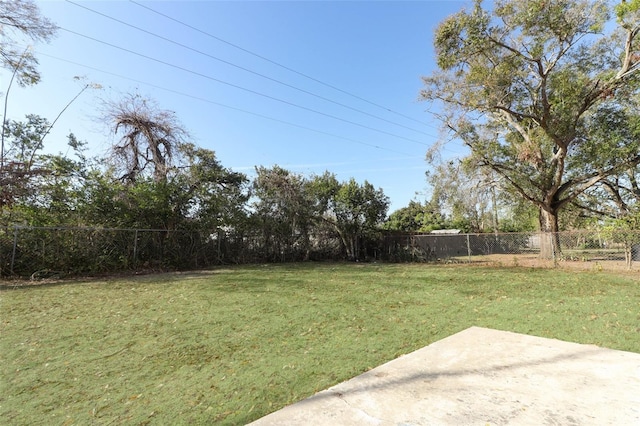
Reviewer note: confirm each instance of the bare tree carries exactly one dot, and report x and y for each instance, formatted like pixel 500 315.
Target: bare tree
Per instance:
pixel 149 137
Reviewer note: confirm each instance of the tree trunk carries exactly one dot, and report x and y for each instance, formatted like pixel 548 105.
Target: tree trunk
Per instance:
pixel 306 244
pixel 628 255
pixel 549 238
pixel 346 242
pixel 352 248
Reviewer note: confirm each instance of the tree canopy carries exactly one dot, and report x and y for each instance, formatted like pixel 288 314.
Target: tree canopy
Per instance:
pixel 416 217
pixel 150 137
pixel 20 20
pixel 534 89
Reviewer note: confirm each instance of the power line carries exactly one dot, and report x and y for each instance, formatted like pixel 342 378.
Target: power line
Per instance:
pixel 279 64
pixel 208 77
pixel 223 105
pixel 245 69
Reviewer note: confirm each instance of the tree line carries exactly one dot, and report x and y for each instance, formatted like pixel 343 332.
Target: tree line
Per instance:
pixel 544 95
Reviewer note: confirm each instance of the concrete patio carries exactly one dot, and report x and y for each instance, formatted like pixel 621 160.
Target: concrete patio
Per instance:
pixel 483 377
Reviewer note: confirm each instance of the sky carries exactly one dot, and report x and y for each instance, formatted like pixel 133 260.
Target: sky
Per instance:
pixel 307 85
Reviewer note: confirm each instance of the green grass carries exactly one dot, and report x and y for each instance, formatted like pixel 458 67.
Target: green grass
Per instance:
pixel 231 345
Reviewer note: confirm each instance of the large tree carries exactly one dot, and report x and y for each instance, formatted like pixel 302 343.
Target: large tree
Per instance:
pixel 150 137
pixel 164 181
pixel 524 85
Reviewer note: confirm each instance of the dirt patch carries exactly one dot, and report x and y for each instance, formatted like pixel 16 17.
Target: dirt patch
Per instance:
pixel 533 261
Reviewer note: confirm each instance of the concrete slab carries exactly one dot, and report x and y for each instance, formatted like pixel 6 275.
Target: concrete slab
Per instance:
pixel 483 377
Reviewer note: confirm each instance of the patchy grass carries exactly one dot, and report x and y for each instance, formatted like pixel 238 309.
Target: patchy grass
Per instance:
pixel 229 346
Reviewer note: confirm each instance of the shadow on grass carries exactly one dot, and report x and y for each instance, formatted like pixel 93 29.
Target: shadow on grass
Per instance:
pixel 146 277
pixel 249 283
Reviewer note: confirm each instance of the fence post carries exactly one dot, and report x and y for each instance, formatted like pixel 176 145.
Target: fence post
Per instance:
pixel 468 248
pixel 13 252
pixel 135 250
pixel 411 247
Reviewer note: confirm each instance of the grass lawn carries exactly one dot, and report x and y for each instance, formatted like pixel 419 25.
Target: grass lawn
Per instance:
pixel 228 346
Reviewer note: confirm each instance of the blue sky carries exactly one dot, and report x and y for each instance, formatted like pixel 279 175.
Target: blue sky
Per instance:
pixel 373 128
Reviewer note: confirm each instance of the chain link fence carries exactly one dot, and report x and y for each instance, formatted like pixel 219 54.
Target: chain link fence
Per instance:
pixel 577 249
pixel 38 253
pixel 50 252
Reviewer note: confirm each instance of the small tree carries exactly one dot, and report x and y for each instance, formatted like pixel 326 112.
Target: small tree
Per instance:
pixel 416 217
pixel 353 210
pixel 626 231
pixel 207 193
pixel 22 157
pixel 37 188
pixel 468 195
pixel 284 208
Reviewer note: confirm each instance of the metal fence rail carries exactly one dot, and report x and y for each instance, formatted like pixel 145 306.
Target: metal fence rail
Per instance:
pixel 597 249
pixel 55 252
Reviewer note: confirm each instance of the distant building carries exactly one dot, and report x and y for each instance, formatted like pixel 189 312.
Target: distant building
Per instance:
pixel 446 231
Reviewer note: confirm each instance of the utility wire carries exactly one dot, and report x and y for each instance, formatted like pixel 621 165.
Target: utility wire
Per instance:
pixel 209 101
pixel 279 64
pixel 208 77
pixel 245 69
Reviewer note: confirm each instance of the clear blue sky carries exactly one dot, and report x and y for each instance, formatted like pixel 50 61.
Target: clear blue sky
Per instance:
pixel 376 50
